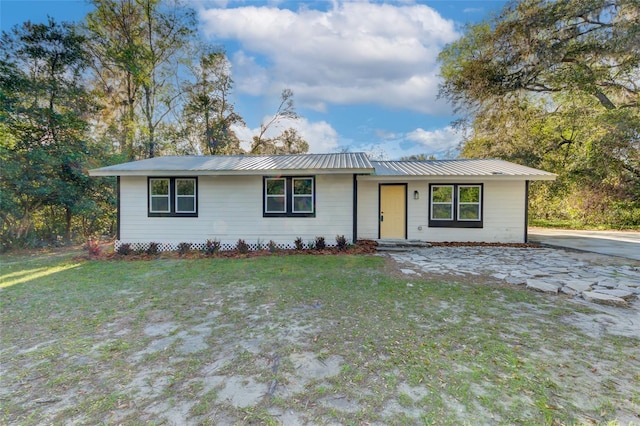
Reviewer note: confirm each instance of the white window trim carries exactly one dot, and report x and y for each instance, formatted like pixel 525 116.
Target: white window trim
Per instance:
pixel 440 203
pixel 478 203
pixel 267 196
pixel 167 196
pixel 193 181
pixel 294 195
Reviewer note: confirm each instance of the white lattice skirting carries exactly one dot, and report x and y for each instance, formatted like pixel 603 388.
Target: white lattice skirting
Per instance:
pixel 202 246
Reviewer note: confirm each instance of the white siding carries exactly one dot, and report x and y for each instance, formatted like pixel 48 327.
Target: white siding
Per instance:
pixel 368 210
pixel 230 208
pixel 503 213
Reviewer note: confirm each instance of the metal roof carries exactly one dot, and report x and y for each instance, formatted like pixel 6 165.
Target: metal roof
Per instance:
pixel 350 162
pixel 464 167
pixel 240 164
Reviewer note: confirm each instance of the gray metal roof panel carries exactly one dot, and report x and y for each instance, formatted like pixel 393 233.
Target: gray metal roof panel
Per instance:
pixel 356 161
pixel 461 167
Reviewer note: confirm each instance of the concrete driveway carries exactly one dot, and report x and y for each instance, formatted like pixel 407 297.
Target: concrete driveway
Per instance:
pixel 612 243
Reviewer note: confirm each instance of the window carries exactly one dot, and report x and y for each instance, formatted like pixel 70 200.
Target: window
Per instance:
pixel 173 197
pixel 275 195
pixel 458 206
pixel 289 197
pixel 468 202
pixel 185 196
pixel 442 202
pixel 159 196
pixel 302 195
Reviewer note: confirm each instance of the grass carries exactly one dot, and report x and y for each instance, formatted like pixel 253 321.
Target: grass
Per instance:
pixel 146 342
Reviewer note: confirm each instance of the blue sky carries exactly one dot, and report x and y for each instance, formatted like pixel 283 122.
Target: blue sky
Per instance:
pixel 364 74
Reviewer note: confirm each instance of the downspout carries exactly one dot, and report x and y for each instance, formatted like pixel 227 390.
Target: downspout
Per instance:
pixel 355 208
pixel 117 207
pixel 526 211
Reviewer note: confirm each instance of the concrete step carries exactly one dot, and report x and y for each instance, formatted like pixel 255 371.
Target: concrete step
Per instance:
pixel 393 249
pixel 400 245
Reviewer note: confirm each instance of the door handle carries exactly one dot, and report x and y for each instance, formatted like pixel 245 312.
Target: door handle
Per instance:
pixel 381 218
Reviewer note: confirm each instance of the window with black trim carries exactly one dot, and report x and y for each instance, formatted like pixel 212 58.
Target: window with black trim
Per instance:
pixel 169 197
pixel 289 196
pixel 455 205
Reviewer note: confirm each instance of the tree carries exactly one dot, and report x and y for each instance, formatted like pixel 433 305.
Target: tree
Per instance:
pixel 139 47
pixel 554 84
pixel 44 145
pixel 418 157
pixel 289 141
pixel 208 113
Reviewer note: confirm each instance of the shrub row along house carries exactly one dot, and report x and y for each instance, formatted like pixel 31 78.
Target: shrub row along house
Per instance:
pixel 174 199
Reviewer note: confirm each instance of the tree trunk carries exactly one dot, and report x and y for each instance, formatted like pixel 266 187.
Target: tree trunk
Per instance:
pixel 67 229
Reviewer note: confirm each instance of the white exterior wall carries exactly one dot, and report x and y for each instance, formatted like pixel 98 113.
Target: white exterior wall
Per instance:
pixel 503 213
pixel 230 208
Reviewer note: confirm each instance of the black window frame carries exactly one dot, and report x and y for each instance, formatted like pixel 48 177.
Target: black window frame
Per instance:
pixel 173 197
pixel 455 222
pixel 288 193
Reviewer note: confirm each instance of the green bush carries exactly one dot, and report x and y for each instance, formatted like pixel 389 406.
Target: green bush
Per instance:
pixel 242 247
pixel 341 242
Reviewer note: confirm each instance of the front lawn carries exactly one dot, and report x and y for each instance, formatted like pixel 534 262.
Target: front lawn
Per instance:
pixel 295 340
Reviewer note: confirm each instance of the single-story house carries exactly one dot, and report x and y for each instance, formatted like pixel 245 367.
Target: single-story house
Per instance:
pixel 262 198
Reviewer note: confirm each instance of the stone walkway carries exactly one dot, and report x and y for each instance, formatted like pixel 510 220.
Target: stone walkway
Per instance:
pixel 547 270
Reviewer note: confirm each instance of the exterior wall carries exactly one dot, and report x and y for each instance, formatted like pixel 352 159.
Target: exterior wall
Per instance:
pixel 503 213
pixel 230 208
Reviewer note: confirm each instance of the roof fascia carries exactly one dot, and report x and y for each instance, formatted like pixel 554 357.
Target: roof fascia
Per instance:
pixel 286 172
pixel 455 178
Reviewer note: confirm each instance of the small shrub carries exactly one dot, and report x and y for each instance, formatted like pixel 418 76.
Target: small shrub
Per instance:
pixel 242 247
pixel 153 249
pixel 124 249
pixel 184 248
pixel 320 243
pixel 341 241
pixel 299 244
pixel 273 247
pixel 311 244
pixel 212 247
pixel 93 247
pixel 259 245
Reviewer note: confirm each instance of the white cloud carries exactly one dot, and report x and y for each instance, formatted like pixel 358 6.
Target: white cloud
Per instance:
pixel 249 77
pixel 322 138
pixel 440 140
pixel 441 143
pixel 354 53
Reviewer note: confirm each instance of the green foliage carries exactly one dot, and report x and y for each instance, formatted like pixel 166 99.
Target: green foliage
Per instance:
pixel 212 247
pixel 320 243
pixel 45 149
pixel 341 242
pixel 138 48
pixel 553 84
pixel 242 247
pixel 208 113
pixel 418 157
pixel 184 248
pixel 289 141
pixel 124 249
pixel 153 249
